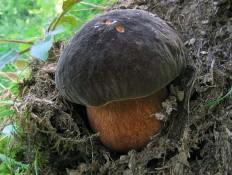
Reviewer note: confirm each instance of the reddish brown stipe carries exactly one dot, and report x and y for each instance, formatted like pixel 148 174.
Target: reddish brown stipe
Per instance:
pixel 127 124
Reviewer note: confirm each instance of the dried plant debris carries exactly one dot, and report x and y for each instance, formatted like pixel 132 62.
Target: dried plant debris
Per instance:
pixel 195 139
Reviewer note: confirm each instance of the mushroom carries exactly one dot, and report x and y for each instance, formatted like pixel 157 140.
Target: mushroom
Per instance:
pixel 118 65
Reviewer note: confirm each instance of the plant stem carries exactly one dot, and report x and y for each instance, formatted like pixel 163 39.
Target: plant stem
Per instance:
pixel 87 9
pixel 53 25
pixel 95 6
pixel 24 51
pixel 17 41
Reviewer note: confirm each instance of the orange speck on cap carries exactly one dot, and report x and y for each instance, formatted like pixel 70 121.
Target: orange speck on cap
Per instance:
pixel 120 29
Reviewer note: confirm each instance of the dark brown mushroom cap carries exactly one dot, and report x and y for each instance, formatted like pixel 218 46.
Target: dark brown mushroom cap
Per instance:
pixel 121 54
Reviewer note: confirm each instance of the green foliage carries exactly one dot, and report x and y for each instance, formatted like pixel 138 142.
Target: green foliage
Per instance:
pixel 12 153
pixel 6 112
pixel 41 48
pixel 30 20
pixel 23 19
pixel 68 4
pixel 67 19
pixel 31 25
pixel 10 150
pixel 219 100
pixel 83 14
pixel 8 58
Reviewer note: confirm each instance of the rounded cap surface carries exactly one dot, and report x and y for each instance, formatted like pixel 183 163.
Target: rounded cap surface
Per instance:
pixel 122 54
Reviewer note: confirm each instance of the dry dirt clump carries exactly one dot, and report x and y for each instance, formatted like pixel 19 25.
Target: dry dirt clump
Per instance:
pixel 196 139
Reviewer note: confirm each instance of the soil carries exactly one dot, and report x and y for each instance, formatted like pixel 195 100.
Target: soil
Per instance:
pixel 196 137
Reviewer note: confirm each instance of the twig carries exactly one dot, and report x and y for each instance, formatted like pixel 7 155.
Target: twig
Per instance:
pixel 24 51
pixel 91 142
pixel 87 9
pixel 211 69
pixel 95 6
pixel 20 42
pixel 17 41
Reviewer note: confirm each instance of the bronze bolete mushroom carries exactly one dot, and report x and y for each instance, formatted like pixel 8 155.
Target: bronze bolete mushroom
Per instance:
pixel 118 65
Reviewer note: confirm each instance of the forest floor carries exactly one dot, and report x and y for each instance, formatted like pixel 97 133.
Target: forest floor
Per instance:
pixel 197 135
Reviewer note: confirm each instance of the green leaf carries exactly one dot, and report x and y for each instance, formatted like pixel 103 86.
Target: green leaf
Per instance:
pixel 9 160
pixel 6 113
pixel 67 4
pixel 8 58
pixel 71 20
pixel 32 39
pixel 41 48
pixel 20 63
pixel 219 100
pixel 6 102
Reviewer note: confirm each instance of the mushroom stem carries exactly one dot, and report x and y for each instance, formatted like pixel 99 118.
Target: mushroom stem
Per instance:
pixel 128 124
